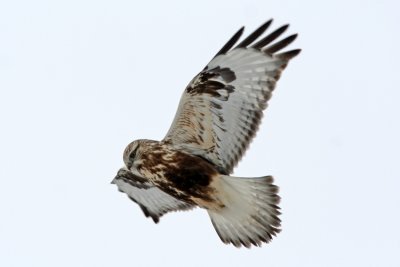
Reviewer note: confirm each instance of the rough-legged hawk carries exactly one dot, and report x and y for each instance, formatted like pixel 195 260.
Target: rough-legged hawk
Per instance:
pixel 218 116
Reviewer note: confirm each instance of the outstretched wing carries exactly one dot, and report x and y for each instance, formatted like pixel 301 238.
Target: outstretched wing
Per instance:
pixel 153 201
pixel 221 109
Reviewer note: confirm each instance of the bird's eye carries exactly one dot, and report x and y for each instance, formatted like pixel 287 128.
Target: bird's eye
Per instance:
pixel 133 153
pixel 130 153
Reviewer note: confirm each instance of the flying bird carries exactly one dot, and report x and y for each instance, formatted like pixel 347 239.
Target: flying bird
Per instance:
pixel 217 118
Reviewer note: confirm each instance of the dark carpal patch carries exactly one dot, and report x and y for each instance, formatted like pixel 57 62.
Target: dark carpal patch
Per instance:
pixel 226 73
pixel 209 82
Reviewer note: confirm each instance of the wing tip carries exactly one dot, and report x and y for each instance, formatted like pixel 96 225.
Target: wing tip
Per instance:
pixel 231 42
pixel 146 211
pixel 280 45
pixel 288 54
pixel 261 44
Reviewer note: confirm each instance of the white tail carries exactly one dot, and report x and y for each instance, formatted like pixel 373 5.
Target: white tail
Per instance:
pixel 250 213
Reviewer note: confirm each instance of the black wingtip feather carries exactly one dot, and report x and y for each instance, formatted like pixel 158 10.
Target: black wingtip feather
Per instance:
pixel 279 45
pixel 270 37
pixel 289 54
pixel 257 33
pixel 231 42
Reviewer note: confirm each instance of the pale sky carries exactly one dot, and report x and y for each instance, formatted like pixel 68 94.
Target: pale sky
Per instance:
pixel 79 80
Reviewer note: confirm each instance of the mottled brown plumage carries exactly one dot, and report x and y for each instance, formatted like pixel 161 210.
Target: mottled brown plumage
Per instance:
pixel 218 116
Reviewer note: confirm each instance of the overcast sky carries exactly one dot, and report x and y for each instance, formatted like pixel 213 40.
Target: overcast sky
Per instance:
pixel 79 80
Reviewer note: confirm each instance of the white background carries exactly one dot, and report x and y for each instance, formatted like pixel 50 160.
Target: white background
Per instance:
pixel 79 80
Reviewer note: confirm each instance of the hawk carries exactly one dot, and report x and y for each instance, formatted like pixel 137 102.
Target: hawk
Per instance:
pixel 217 118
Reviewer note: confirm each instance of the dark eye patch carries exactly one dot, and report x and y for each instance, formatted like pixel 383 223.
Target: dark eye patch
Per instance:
pixel 133 153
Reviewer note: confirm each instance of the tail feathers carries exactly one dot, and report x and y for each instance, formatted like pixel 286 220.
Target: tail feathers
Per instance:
pixel 250 213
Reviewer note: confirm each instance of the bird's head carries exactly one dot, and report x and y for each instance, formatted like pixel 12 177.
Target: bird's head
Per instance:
pixel 129 157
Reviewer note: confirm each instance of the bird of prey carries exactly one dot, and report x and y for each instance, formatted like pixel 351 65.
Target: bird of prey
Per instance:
pixel 217 118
